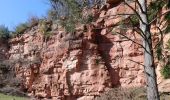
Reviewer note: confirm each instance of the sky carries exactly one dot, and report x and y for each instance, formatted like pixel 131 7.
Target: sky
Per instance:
pixel 13 12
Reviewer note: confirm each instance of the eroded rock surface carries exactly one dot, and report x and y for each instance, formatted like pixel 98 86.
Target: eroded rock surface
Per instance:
pixel 66 66
pixel 80 65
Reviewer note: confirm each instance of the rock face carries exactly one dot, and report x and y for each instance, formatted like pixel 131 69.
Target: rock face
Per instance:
pixel 120 57
pixel 80 65
pixel 77 66
pixel 69 65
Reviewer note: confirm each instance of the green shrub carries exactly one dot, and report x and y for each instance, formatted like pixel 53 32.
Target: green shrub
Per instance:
pixel 69 25
pixel 52 14
pixel 68 12
pixel 165 71
pixel 32 21
pixel 48 34
pixel 154 8
pixel 90 18
pixel 4 32
pixel 159 51
pixel 21 28
pixel 167 18
pixel 134 20
pixel 45 28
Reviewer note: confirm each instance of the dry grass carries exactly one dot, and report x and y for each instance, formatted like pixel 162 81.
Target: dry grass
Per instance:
pixel 128 94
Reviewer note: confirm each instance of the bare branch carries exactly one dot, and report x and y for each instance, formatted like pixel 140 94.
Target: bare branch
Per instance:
pixel 161 32
pixel 141 32
pixel 159 17
pixel 134 42
pixel 134 12
pixel 136 62
pixel 117 15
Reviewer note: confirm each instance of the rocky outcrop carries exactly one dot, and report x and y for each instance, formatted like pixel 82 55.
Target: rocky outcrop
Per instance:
pixel 9 84
pixel 80 65
pixel 76 66
pixel 69 66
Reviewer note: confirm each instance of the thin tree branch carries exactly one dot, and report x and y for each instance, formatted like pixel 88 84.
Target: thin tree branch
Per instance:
pixel 117 15
pixel 159 17
pixel 133 41
pixel 161 32
pixel 141 32
pixel 134 12
pixel 136 62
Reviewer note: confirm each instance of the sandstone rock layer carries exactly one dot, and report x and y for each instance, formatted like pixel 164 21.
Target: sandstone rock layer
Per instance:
pixel 80 65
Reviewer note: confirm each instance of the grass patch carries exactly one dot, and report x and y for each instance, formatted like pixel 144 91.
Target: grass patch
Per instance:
pixel 8 97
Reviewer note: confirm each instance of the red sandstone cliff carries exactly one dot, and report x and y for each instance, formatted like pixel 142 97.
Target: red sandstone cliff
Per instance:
pixel 80 65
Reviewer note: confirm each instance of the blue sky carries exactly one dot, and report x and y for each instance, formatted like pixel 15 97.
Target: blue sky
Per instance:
pixel 13 12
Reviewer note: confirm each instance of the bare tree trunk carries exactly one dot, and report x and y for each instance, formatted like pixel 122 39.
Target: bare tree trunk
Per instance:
pixel 152 89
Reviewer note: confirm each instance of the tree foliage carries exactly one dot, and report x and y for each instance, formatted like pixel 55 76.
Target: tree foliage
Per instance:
pixel 69 12
pixel 165 71
pixel 154 8
pixel 4 32
pixel 21 28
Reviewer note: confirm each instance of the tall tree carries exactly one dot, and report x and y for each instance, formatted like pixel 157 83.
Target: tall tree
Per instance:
pixel 149 66
pixel 147 16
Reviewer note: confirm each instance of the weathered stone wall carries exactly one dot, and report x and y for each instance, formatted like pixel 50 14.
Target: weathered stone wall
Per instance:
pixel 82 65
pixel 70 65
pixel 77 66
